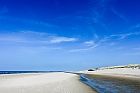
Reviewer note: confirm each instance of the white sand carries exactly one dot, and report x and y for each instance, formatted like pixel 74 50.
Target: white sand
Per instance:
pixel 121 72
pixel 43 83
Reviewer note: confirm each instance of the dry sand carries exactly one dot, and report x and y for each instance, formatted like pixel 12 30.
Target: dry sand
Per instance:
pixel 43 83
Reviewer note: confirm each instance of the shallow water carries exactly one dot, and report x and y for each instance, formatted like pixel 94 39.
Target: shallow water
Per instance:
pixel 102 85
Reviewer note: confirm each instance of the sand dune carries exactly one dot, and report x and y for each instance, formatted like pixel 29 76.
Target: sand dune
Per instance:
pixel 43 83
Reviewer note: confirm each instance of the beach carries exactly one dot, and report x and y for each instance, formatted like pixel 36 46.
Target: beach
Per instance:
pixel 122 80
pixel 56 82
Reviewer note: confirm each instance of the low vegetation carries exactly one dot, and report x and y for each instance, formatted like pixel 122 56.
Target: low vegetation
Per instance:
pixel 133 66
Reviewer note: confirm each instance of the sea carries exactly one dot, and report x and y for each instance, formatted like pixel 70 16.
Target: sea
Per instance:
pixel 18 72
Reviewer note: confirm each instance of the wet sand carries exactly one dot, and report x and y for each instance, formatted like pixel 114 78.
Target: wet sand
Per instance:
pixel 131 83
pixel 43 83
pixel 118 80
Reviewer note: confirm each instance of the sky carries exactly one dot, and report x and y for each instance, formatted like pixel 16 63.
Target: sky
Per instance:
pixel 68 35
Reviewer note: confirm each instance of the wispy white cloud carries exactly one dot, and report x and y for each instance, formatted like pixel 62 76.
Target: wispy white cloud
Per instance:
pixel 42 48
pixel 119 15
pixel 136 26
pixel 27 21
pixel 62 39
pixel 98 12
pixel 41 23
pixel 131 28
pixel 93 44
pixel 84 49
pixel 33 33
pixel 41 38
pixel 35 37
pixel 106 41
pixel 122 36
pixel 96 36
pixel 32 42
pixel 128 34
pixel 112 44
pixel 36 49
pixel 12 39
pixel 89 43
pixel 51 48
pixel 97 17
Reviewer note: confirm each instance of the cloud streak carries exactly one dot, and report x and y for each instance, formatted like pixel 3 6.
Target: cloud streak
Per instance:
pixel 119 15
pixel 84 49
pixel 40 38
pixel 106 41
pixel 26 21
pixel 32 42
pixel 62 39
pixel 38 49
pixel 136 26
pixel 33 22
pixel 122 36
pixel 35 37
pixel 97 17
pixel 89 43
pixel 117 37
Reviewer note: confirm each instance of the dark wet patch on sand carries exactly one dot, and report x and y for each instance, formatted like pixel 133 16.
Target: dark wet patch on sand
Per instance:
pixel 108 84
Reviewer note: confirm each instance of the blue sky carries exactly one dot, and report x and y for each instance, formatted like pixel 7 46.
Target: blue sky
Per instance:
pixel 68 34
